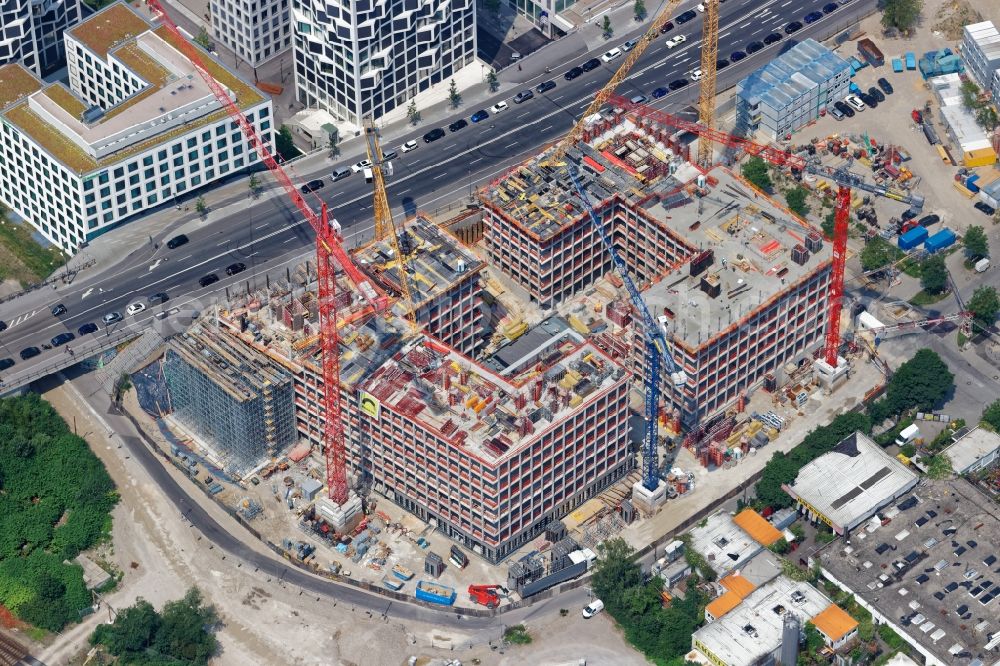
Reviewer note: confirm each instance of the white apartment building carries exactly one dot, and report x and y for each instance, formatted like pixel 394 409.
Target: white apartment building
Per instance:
pixel 255 30
pixel 364 58
pixel 31 32
pixel 136 128
pixel 981 53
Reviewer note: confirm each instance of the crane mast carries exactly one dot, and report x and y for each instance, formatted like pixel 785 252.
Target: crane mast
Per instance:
pixel 329 254
pixel 706 92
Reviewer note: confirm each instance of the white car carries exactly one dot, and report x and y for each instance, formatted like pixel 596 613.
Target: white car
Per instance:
pixel 135 308
pixel 697 74
pixel 855 102
pixel 498 107
pixel 408 146
pixel 611 55
pixel 361 166
pixel 676 41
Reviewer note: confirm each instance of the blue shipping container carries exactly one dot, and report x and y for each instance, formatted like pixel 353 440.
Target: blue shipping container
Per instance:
pixel 854 88
pixel 435 593
pixel 940 240
pixel 970 183
pixel 913 238
pixel 911 60
pixel 897 65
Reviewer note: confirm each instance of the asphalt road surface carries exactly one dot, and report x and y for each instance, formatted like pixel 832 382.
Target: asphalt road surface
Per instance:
pixel 271 233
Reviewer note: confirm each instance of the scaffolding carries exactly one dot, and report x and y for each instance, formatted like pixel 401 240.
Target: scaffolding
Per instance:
pixel 234 398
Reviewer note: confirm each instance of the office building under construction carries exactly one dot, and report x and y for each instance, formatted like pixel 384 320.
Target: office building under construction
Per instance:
pixel 740 282
pixel 232 397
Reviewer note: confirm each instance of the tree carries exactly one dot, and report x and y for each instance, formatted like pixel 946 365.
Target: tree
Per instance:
pixel 453 95
pixel 934 274
pixel 877 253
pixel 333 144
pixel 203 39
pixel 639 10
pixel 991 415
pixel 201 206
pixel 796 198
pixel 132 631
pixel 922 383
pixel 828 223
pixel 976 244
pixel 606 28
pixel 984 306
pixel 756 171
pixel 970 95
pixel 939 466
pixel 901 14
pixel 986 117
pixel 413 113
pixel 492 81
pixel 285 144
pixel 254 185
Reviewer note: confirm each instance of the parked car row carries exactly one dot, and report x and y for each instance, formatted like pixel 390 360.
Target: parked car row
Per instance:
pixel 860 100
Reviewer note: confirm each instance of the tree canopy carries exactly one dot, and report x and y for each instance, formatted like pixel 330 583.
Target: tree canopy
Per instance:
pixel 976 244
pixel 878 252
pixel 934 274
pixel 755 170
pixel 796 198
pixel 991 415
pixel 922 382
pixel 55 502
pixel 180 634
pixel 984 306
pixel 901 14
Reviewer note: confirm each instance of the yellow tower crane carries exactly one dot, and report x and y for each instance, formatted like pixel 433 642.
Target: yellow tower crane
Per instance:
pixel 557 154
pixel 706 95
pixel 384 225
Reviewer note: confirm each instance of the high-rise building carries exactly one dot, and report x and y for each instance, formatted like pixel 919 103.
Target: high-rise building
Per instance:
pixel 31 32
pixel 255 31
pixel 136 127
pixel 981 53
pixel 364 58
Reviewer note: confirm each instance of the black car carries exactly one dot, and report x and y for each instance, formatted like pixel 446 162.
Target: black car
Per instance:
pixel 6 363
pixel 545 86
pixel 928 220
pixel 523 96
pixel 736 56
pixel 206 280
pixel 233 269
pixel 62 339
pixel 313 185
pixel 177 241
pixel 666 27
pixel 677 84
pixel 844 109
pixel 985 208
pixel 794 26
pixel 812 17
pixel 87 329
pixel 773 38
pixel 58 310
pixel 868 100
pixel 753 47
pixel 29 352
pixel 830 7
pixel 3 326
pixel 686 16
pixel 591 65
pixel 458 124
pixel 876 93
pixel 721 63
pixel 433 135
pixel 884 84
pixel 573 73
pixel 908 215
pixel 658 93
pixel 159 297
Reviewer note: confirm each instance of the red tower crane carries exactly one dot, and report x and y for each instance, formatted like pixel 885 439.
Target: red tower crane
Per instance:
pixel 329 253
pixel 845 181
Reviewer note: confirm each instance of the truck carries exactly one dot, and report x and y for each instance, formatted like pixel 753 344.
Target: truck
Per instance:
pixel 870 52
pixel 907 434
pixel 982 265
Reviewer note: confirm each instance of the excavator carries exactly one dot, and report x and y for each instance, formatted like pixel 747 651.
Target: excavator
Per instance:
pixel 486 595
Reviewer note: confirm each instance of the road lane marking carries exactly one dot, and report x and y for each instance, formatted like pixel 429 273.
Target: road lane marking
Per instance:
pixel 154 265
pixel 87 293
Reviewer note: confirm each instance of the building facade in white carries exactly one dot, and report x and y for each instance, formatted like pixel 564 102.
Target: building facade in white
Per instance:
pixel 136 128
pixel 31 32
pixel 364 58
pixel 256 31
pixel 981 54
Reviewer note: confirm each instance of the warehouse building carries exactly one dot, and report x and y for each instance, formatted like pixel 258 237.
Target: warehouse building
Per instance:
pixel 847 486
pixel 976 450
pixel 232 397
pixel 791 90
pixel 444 279
pixel 981 53
pixel 932 574
pixel 136 128
pixel 742 284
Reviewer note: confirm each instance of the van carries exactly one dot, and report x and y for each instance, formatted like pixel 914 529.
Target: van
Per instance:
pixel 341 173
pixel 907 434
pixel 368 175
pixel 982 265
pixel 593 608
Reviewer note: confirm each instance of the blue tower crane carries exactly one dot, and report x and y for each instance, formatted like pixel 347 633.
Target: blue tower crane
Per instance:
pixel 657 348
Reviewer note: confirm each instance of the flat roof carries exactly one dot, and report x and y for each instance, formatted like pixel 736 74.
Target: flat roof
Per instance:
pixel 109 27
pixel 723 604
pixel 757 527
pixel 16 82
pixel 753 629
pixel 737 584
pixel 723 543
pixel 784 79
pixel 977 444
pixel 849 484
pixel 545 337
pixel 835 623
pixel 934 571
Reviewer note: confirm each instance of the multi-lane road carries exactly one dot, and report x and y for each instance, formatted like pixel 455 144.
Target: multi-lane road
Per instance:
pixel 271 233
